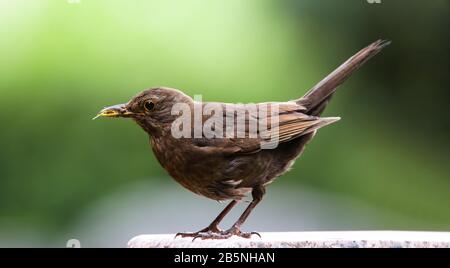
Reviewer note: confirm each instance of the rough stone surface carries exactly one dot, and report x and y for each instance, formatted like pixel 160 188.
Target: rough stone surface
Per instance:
pixel 345 239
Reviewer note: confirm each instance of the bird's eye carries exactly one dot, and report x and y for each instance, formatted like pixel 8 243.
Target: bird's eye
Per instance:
pixel 149 105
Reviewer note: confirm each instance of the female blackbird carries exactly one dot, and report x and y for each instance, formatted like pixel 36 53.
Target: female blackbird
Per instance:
pixel 230 167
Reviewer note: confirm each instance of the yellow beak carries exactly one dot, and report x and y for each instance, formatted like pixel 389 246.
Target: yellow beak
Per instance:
pixel 118 110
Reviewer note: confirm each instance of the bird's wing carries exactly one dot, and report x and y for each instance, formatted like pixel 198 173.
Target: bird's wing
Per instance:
pixel 274 123
pixel 294 125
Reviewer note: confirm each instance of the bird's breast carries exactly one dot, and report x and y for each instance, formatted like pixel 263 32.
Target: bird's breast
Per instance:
pixel 189 166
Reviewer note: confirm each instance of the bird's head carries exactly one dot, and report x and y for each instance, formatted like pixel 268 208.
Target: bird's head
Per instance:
pixel 151 108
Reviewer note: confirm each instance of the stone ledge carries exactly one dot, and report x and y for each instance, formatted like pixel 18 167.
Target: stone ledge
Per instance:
pixel 343 239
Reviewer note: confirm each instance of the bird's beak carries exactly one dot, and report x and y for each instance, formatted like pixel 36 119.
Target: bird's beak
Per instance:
pixel 118 110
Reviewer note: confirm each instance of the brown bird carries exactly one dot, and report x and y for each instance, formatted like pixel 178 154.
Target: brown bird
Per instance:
pixel 229 168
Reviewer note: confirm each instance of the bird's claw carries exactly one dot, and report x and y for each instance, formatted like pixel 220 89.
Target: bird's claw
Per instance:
pixel 209 234
pixel 237 232
pixel 208 230
pixel 255 233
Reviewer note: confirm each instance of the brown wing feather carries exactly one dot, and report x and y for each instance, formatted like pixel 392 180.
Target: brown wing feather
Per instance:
pixel 292 123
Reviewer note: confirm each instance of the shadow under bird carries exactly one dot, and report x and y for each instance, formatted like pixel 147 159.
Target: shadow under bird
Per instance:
pixel 223 168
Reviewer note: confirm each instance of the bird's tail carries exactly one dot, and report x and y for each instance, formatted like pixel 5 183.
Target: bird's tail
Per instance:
pixel 316 99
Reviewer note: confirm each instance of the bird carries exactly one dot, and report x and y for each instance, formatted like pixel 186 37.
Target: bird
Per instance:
pixel 231 168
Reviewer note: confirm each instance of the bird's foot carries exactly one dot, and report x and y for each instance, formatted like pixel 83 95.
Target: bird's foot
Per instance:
pixel 233 231
pixel 208 230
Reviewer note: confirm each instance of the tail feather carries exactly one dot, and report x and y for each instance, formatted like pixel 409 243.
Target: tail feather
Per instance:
pixel 321 122
pixel 318 97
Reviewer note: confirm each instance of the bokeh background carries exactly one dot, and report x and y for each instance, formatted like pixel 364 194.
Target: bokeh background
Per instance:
pixel 385 165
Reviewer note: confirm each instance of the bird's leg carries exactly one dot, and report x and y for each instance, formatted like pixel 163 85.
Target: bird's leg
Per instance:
pixel 213 227
pixel 257 194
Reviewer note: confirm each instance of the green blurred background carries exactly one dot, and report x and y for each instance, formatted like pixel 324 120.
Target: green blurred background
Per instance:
pixel 385 165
